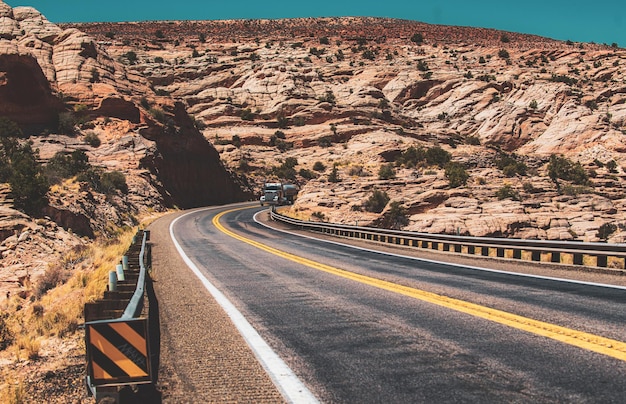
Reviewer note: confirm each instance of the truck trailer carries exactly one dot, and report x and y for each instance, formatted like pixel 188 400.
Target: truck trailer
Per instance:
pixel 277 193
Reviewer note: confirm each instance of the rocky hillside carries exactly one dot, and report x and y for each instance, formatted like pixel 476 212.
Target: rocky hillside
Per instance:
pixel 132 151
pixel 355 93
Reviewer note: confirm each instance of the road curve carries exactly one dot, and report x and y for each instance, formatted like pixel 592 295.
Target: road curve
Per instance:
pixel 355 342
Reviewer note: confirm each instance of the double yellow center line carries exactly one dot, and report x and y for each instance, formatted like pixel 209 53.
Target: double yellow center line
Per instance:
pixel 606 346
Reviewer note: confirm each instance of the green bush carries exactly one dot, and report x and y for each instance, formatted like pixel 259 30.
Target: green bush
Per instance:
pixel 386 172
pixel 417 38
pixel 605 231
pixel 376 202
pixel 28 183
pixel 561 168
pixel 510 166
pixel 456 174
pixel 334 175
pixel 507 192
pixel 63 165
pixel 504 54
pixel 105 182
pixel 437 156
pixel 92 139
pixel 307 174
pixel 319 166
pixel 247 114
pixel 396 216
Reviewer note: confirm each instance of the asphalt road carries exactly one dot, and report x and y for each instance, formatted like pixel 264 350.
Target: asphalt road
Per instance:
pixel 353 342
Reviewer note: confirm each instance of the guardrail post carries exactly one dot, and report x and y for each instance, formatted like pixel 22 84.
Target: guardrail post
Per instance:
pixel 119 270
pixel 555 257
pixel 125 262
pixel 112 281
pixel 578 259
pixel 458 248
pixel 517 254
pixel 434 245
pixel 500 252
pixel 601 261
pixel 484 251
pixel 471 249
pixel 536 256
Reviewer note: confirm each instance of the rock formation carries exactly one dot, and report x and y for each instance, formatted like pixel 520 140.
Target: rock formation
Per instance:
pixel 354 93
pixel 63 88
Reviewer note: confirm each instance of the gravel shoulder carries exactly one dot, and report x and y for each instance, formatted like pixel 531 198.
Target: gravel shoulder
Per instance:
pixel 203 358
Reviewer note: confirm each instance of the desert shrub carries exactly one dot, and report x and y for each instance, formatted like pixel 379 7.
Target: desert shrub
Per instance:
pixel 507 192
pixel 472 140
pixel 53 276
pixel 158 114
pixel 247 115
pixel 396 216
pixel 112 180
pixel 6 335
pixel 612 166
pixel 236 141
pixel 328 97
pixel 386 172
pixel 70 164
pixel 376 202
pixel 131 57
pixel 503 53
pixel 417 38
pixel 307 174
pixel 334 175
pixel 437 156
pixel 325 141
pixel 563 168
pixel 319 166
pixel 605 230
pixel 358 171
pixel 510 166
pixel 67 123
pixel 92 139
pixel 105 182
pixel 574 190
pixel 411 157
pixel 533 104
pixel 319 215
pixel 456 174
pixel 28 183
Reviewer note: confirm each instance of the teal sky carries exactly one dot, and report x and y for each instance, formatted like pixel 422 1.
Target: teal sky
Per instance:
pixel 577 20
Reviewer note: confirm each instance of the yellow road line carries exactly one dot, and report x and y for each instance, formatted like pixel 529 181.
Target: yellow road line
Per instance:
pixel 606 346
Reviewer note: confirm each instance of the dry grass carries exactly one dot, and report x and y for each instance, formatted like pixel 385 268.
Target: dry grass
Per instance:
pixel 58 310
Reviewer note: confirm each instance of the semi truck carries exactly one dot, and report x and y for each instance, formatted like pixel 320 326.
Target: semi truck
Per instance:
pixel 277 193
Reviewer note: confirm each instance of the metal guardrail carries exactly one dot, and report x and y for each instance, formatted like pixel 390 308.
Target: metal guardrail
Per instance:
pixel 578 253
pixel 136 302
pixel 117 343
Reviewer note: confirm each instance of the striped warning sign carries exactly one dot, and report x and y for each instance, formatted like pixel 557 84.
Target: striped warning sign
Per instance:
pixel 118 352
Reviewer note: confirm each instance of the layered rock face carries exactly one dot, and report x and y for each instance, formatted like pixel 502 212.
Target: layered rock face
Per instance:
pixel 354 93
pixel 63 88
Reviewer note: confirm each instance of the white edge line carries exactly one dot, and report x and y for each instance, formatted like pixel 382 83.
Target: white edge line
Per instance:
pixel 475 268
pixel 290 386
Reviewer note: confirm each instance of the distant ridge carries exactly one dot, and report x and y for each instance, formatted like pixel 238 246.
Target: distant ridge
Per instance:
pixel 371 28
